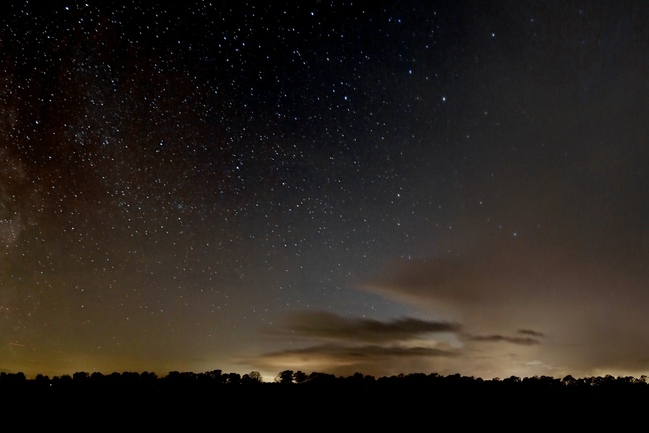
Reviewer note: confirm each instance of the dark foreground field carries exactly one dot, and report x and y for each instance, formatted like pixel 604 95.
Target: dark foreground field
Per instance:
pixel 190 402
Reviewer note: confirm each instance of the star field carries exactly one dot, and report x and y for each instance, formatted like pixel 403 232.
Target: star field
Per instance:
pixel 250 186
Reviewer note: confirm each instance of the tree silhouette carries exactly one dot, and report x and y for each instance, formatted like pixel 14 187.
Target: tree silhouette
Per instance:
pixel 41 379
pixel 233 378
pixel 285 377
pixel 80 377
pixel 568 380
pixel 300 377
pixel 252 378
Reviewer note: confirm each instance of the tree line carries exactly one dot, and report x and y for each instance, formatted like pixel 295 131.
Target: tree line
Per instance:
pixel 403 398
pixel 291 377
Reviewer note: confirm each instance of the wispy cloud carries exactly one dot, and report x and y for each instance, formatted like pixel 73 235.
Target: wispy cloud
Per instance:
pixel 328 326
pixel 524 341
pixel 345 360
pixel 344 345
pixel 587 310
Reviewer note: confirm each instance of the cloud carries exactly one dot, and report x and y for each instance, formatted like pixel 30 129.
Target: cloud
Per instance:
pixel 524 341
pixel 526 305
pixel 345 345
pixel 347 359
pixel 588 309
pixel 328 326
pixel 530 333
pixel 353 353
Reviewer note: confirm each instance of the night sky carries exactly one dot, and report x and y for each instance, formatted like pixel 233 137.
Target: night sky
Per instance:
pixel 375 187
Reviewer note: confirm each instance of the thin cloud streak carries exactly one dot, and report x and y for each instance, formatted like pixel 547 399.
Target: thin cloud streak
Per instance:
pixel 330 326
pixel 498 338
pixel 346 360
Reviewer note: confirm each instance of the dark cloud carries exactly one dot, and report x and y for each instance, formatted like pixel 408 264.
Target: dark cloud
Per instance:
pixel 530 333
pixel 323 325
pixel 348 359
pixel 344 345
pixel 363 352
pixel 524 341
